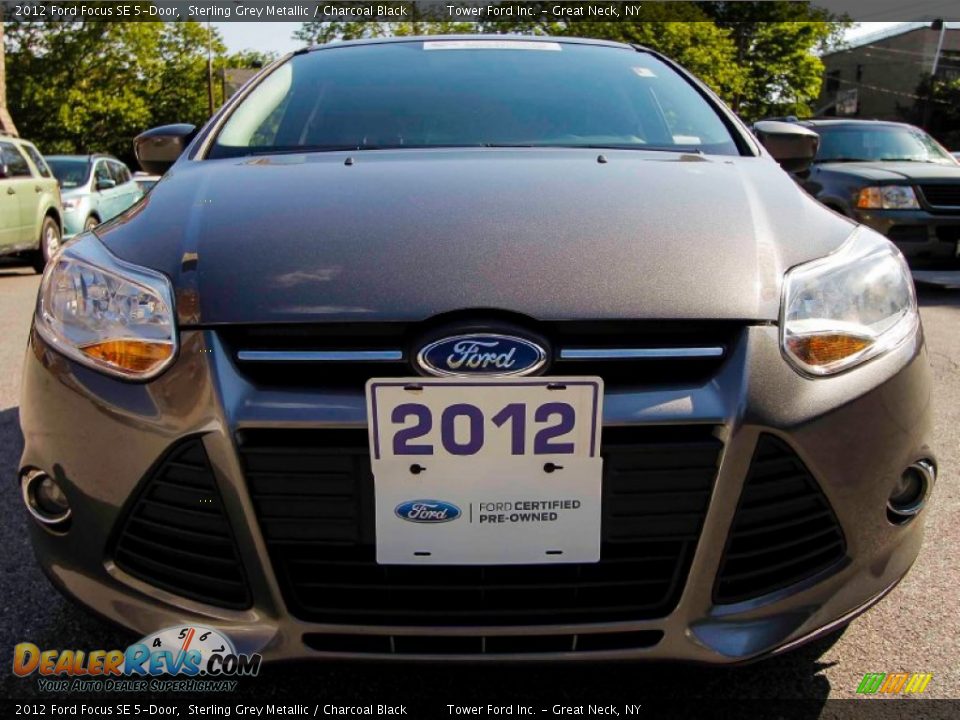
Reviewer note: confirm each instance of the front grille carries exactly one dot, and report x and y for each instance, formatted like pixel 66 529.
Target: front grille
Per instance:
pixel 948 233
pixel 313 494
pixel 941 195
pixel 176 535
pixel 908 233
pixel 405 337
pixel 435 644
pixel 784 530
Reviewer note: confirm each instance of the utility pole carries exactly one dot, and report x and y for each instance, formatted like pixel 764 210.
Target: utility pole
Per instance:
pixel 6 122
pixel 928 104
pixel 936 56
pixel 210 66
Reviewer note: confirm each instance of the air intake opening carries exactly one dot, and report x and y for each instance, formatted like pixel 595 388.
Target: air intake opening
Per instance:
pixel 784 529
pixel 176 535
pixel 435 644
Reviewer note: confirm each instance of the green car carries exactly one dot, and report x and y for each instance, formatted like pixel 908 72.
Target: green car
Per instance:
pixel 30 210
pixel 95 189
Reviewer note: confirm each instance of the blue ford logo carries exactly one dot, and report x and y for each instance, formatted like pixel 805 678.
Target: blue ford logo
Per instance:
pixel 427 511
pixel 482 354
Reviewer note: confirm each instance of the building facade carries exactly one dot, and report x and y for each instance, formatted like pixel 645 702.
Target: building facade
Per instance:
pixel 880 76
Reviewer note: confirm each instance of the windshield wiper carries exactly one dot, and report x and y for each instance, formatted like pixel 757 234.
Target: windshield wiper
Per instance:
pixel 841 160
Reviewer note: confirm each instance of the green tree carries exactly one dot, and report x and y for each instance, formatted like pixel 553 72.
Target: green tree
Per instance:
pixel 777 45
pixel 92 86
pixel 74 87
pixel 938 112
pixel 177 73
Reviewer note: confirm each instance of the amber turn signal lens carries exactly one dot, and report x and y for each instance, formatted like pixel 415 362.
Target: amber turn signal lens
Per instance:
pixel 826 349
pixel 869 198
pixel 135 356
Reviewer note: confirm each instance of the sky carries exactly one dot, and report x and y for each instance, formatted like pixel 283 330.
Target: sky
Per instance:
pixel 266 36
pixel 277 36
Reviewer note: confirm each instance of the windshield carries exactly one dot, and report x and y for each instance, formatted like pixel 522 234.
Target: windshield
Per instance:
pixel 70 172
pixel 473 93
pixel 881 142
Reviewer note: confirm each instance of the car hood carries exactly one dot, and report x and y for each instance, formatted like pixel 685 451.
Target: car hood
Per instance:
pixel 405 235
pixel 896 171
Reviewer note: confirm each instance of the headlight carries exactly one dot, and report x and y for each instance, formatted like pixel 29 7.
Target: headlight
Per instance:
pixel 888 197
pixel 100 311
pixel 848 307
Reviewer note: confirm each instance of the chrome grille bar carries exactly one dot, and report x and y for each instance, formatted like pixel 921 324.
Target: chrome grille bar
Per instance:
pixel 397 355
pixel 320 355
pixel 638 353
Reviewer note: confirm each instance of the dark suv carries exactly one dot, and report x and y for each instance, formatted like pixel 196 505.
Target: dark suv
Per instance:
pixel 893 177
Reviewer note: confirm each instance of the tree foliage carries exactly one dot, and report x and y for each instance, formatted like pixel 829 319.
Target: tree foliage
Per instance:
pixel 777 46
pixel 937 108
pixel 92 86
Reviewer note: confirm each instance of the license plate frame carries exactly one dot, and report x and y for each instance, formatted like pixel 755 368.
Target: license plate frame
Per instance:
pixel 528 494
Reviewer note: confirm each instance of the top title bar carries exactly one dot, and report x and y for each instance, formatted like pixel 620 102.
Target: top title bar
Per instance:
pixel 431 10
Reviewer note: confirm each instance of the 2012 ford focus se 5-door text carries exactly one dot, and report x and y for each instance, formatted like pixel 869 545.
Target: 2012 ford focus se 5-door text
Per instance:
pixel 478 348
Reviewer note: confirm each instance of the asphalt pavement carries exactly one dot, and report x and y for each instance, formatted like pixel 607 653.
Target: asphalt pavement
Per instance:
pixel 915 629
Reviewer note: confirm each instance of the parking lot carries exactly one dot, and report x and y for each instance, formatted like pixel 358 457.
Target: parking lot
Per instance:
pixel 913 630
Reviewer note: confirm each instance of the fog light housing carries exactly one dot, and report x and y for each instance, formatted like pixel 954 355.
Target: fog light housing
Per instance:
pixel 910 492
pixel 45 499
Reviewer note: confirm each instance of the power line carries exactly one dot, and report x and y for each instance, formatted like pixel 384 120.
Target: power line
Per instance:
pixel 888 91
pixel 884 62
pixel 926 55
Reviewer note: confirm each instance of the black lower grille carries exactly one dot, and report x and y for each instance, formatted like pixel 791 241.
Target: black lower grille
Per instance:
pixel 313 494
pixel 434 644
pixel 948 233
pixel 909 233
pixel 942 195
pixel 176 535
pixel 784 530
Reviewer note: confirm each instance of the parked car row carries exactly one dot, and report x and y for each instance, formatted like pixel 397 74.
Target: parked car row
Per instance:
pixel 44 200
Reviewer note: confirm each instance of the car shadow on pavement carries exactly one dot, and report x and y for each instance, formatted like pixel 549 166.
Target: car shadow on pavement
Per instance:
pixel 796 677
pixel 15 266
pixel 936 296
pixel 35 612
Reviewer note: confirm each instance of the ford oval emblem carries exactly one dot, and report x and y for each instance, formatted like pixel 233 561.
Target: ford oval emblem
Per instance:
pixel 427 511
pixel 486 354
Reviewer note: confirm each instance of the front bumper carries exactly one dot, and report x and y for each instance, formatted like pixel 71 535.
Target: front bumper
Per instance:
pixel 73 220
pixel 928 240
pixel 855 433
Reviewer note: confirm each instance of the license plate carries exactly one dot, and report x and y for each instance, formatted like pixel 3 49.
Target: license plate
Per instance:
pixel 486 471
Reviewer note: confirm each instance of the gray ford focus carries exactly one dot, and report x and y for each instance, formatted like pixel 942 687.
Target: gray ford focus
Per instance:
pixel 478 348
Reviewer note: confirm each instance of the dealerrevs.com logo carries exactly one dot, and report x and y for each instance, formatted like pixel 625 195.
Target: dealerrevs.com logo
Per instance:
pixel 188 658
